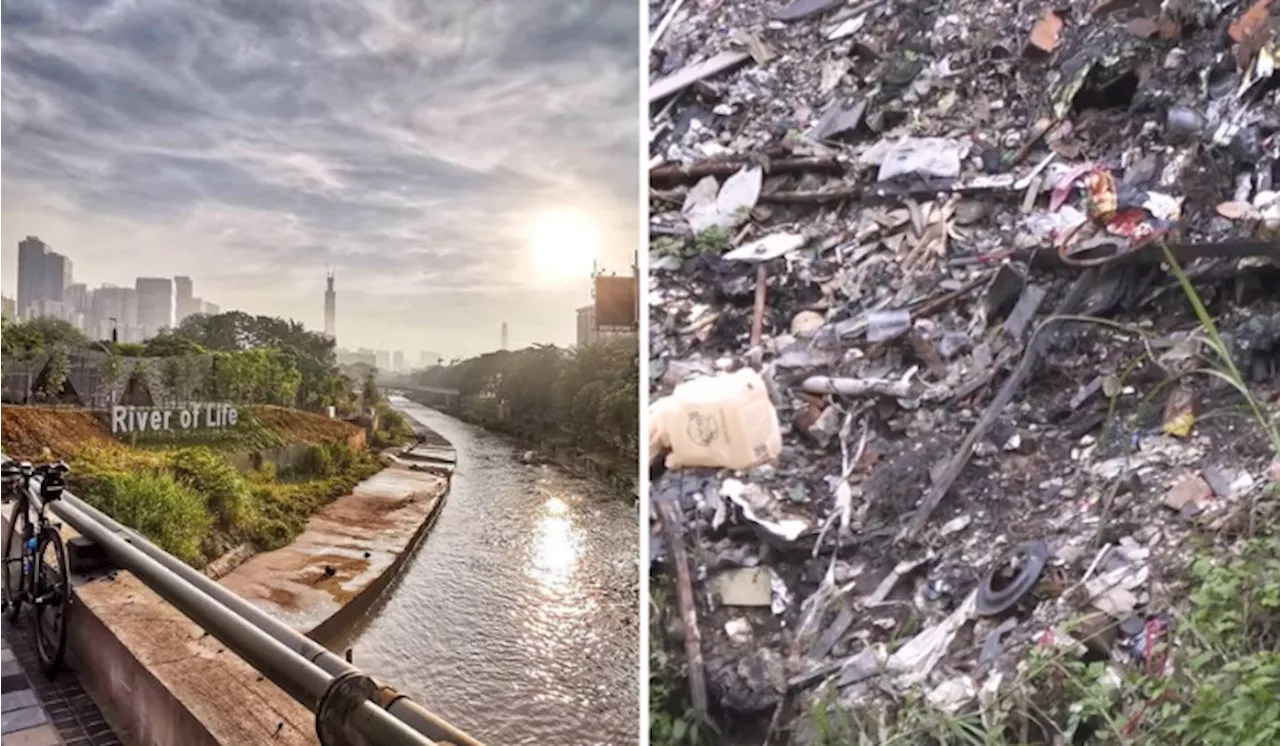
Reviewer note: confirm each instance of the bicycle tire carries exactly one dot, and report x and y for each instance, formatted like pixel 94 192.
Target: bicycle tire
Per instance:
pixel 52 647
pixel 12 575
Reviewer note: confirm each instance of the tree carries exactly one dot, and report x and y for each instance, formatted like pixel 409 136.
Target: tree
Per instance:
pixel 112 367
pixel 169 343
pixel 310 354
pixel 56 373
pixel 588 397
pixel 57 332
pixel 258 376
pixel 23 343
pixel 369 390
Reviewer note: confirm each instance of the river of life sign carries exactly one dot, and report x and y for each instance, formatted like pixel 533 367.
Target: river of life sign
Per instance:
pixel 190 417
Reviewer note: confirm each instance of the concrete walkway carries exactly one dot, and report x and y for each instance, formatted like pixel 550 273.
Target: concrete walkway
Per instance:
pixel 41 712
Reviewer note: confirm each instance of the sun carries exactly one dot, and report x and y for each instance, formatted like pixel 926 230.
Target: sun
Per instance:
pixel 564 242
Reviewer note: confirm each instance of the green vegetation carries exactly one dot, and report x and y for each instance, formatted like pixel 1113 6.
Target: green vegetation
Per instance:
pixel 1212 680
pixel 393 427
pixel 195 504
pixel 165 510
pixel 228 357
pixel 672 720
pixel 261 359
pixel 585 398
pixel 713 240
pixel 180 488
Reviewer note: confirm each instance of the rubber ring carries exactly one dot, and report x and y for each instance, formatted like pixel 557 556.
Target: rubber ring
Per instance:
pixel 1035 555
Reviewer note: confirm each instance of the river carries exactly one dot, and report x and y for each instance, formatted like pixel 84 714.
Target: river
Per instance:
pixel 518 618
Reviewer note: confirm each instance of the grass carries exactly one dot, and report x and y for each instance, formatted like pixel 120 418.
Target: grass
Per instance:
pixel 672 720
pixel 1211 679
pixel 713 240
pixel 393 428
pixel 195 505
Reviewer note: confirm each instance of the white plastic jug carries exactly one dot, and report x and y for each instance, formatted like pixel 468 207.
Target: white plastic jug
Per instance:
pixel 722 421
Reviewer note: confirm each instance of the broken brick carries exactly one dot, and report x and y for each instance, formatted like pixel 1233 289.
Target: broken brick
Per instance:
pixel 1252 27
pixel 1046 33
pixel 1192 490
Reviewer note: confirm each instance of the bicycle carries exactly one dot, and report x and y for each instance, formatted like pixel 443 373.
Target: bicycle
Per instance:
pixel 49 589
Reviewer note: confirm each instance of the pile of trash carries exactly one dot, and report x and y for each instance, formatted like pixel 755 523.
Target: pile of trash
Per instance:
pixel 927 385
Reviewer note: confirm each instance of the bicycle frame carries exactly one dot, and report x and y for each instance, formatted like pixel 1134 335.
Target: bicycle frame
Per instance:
pixel 23 505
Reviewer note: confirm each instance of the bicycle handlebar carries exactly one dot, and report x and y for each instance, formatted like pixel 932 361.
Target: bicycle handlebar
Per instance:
pixel 53 475
pixel 53 467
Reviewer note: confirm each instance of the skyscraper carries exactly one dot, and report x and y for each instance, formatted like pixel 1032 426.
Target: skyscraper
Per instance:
pixel 57 276
pixel 183 299
pixel 504 335
pixel 43 275
pixel 121 304
pixel 155 304
pixel 77 298
pixel 397 360
pixel 588 332
pixel 384 360
pixel 31 253
pixel 210 309
pixel 330 308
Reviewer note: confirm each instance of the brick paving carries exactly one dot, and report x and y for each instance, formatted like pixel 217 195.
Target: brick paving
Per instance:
pixel 43 712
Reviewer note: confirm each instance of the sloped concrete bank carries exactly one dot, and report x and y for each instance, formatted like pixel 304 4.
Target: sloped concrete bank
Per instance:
pixel 353 548
pixel 161 680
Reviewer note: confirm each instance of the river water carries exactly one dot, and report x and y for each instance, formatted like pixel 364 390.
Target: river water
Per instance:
pixel 518 618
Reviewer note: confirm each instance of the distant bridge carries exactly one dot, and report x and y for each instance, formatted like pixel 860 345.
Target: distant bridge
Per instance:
pixel 431 396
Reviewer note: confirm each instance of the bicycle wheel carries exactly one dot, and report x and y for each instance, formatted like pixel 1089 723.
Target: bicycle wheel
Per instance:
pixel 52 600
pixel 15 542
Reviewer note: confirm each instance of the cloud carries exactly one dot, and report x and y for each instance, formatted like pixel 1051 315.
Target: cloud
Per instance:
pixel 252 144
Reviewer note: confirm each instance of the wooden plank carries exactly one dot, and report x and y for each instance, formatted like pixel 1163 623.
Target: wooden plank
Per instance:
pixel 687 76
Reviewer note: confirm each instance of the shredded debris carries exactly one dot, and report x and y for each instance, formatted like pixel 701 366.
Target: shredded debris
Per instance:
pixel 899 214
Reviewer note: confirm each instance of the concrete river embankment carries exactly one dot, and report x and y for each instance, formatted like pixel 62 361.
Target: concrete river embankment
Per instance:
pixel 518 618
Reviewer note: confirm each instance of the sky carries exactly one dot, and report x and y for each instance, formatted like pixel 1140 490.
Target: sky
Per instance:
pixel 415 149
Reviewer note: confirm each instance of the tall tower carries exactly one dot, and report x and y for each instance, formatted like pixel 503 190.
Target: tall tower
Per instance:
pixel 504 335
pixel 330 308
pixel 182 299
pixel 31 284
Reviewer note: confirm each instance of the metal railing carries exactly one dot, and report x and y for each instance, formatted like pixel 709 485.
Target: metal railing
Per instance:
pixel 351 709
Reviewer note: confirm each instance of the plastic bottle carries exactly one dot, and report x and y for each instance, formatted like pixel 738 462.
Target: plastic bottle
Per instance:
pixel 723 421
pixel 885 325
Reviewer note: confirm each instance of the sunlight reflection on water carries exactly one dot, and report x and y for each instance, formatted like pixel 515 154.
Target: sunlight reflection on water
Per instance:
pixel 518 618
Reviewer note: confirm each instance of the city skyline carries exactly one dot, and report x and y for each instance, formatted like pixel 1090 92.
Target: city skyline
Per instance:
pixel 46 287
pixel 138 310
pixel 440 162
